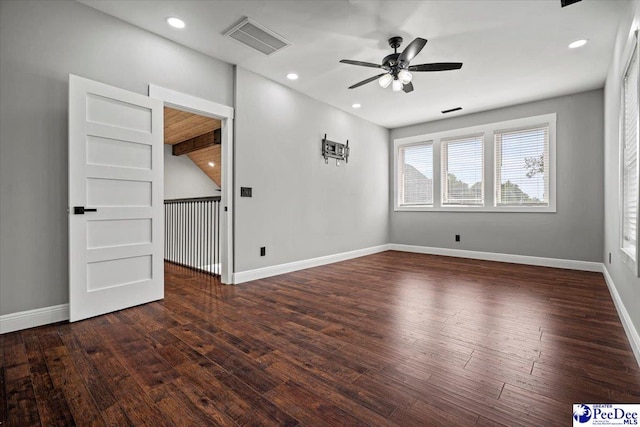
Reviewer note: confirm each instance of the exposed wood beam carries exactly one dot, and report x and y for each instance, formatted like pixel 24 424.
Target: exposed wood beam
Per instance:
pixel 182 125
pixel 198 143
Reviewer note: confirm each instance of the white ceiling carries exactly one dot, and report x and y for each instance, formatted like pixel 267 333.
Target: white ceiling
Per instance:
pixel 513 51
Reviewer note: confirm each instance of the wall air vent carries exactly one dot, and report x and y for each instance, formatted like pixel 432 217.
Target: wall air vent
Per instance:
pixel 254 35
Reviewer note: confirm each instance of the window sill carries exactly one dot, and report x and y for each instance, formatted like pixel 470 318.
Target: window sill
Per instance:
pixel 629 259
pixel 509 209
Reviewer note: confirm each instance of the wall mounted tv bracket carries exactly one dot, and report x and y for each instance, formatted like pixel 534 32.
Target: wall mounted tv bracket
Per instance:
pixel 335 150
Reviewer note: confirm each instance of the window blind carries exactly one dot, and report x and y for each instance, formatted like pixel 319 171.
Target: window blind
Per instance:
pixel 415 169
pixel 630 155
pixel 522 167
pixel 462 171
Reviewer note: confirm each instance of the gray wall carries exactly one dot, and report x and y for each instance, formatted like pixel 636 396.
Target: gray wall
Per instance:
pixel 627 284
pixel 184 179
pixel 301 207
pixel 41 42
pixel 574 232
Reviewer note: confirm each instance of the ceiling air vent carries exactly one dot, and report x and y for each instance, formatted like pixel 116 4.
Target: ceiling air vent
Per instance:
pixel 256 36
pixel 564 3
pixel 451 110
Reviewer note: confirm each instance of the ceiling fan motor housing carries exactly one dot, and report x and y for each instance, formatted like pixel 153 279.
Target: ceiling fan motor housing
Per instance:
pixel 393 65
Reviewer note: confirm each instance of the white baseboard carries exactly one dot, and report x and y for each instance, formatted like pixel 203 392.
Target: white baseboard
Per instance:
pixel 627 324
pixel 491 256
pixel 42 316
pixel 32 318
pixel 274 270
pixel 261 273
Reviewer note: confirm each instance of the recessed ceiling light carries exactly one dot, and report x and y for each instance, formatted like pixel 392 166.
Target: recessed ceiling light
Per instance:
pixel 175 22
pixel 578 43
pixel 212 164
pixel 356 106
pixel 292 76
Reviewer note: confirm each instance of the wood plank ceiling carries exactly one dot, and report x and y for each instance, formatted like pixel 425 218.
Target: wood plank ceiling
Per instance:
pixel 181 125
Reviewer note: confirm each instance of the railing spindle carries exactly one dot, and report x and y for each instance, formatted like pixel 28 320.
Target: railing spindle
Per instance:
pixel 192 233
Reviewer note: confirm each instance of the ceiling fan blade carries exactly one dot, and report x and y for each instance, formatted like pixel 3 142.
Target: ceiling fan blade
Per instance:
pixel 408 87
pixel 436 66
pixel 369 80
pixel 412 49
pixel 360 63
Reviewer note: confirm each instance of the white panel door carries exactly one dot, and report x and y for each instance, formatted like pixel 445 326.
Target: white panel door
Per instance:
pixel 115 197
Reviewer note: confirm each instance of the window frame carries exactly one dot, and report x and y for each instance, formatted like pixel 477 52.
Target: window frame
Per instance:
pixel 488 131
pixel 547 159
pixel 629 258
pixel 399 171
pixel 444 157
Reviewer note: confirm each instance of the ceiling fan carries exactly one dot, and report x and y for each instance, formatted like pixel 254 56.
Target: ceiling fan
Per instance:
pixel 397 68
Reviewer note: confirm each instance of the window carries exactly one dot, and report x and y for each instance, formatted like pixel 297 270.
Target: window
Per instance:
pixel 462 171
pixel 508 166
pixel 521 176
pixel 415 169
pixel 630 156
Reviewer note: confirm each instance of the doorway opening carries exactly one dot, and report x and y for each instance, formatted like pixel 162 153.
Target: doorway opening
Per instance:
pixel 192 195
pixel 211 212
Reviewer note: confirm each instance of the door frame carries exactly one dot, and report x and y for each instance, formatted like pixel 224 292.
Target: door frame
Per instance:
pixel 225 114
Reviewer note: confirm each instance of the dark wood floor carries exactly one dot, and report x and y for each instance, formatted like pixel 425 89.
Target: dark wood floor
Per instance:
pixel 388 339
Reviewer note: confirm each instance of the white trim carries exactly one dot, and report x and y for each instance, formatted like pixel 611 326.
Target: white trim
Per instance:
pixel 630 259
pixel 274 270
pixel 568 264
pixel 477 208
pixel 506 124
pixel 627 324
pixel 190 102
pixel 32 318
pixel 225 113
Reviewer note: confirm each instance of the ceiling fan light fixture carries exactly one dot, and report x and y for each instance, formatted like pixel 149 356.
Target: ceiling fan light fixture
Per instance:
pixel 404 76
pixel 385 80
pixel 397 85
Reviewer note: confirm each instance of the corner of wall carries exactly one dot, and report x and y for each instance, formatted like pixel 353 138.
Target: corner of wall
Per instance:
pixel 625 318
pixel 623 284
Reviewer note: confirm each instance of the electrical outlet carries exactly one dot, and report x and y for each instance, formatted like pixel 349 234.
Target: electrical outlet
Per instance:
pixel 457 237
pixel 245 191
pixel 263 251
